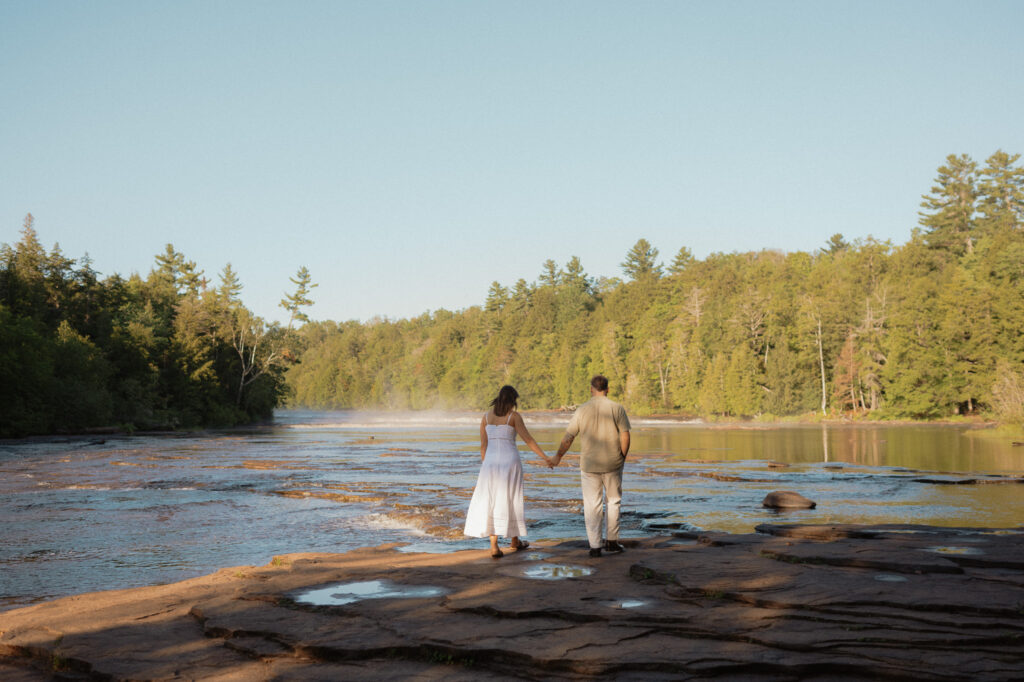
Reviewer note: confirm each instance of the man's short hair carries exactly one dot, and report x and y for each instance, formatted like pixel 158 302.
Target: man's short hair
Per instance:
pixel 600 383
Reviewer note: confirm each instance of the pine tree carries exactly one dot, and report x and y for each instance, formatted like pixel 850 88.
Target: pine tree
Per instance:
pixel 294 303
pixel 550 275
pixel 230 285
pixel 497 297
pixel 641 261
pixel 519 299
pixel 949 210
pixel 836 243
pixel 1002 194
pixel 181 274
pixel 683 259
pixel 575 278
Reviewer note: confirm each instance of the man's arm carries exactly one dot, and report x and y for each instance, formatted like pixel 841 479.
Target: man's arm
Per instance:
pixel 563 447
pixel 624 442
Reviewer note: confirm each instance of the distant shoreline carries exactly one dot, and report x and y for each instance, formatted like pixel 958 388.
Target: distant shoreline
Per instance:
pixel 99 434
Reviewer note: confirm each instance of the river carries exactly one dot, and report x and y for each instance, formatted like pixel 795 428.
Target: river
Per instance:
pixel 85 514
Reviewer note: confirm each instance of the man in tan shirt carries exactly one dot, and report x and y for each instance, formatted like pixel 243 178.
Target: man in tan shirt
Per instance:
pixel 603 428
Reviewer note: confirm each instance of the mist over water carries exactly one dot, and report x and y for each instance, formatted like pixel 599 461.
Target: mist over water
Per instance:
pixel 86 514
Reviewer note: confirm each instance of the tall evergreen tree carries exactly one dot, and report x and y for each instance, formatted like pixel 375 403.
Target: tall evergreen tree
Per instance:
pixel 836 243
pixel 179 272
pixel 575 278
pixel 497 297
pixel 230 285
pixel 550 275
pixel 295 302
pixel 1002 194
pixel 948 215
pixel 641 261
pixel 682 260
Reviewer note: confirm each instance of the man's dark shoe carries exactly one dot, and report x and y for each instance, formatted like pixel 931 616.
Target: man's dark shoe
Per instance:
pixel 613 546
pixel 595 552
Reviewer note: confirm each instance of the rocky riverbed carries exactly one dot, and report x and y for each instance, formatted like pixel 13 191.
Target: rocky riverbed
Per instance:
pixel 788 602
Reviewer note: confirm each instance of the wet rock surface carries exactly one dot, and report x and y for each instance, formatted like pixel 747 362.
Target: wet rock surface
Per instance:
pixel 789 602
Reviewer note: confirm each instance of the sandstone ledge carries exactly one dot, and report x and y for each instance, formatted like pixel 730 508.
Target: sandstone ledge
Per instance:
pixel 786 603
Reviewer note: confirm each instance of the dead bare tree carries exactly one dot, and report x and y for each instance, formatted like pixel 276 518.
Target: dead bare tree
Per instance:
pixel 253 340
pixel 751 317
pixel 695 304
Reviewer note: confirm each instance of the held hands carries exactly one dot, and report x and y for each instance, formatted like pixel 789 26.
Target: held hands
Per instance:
pixel 550 462
pixel 553 461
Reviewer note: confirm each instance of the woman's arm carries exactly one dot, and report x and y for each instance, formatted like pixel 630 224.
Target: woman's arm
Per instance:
pixel 483 437
pixel 524 433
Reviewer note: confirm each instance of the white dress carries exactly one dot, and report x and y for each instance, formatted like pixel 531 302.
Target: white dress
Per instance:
pixel 497 504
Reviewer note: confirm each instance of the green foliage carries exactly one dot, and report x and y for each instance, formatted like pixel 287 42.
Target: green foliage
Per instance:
pixel 683 259
pixel 78 352
pixel 1008 393
pixel 836 244
pixel 949 211
pixel 930 329
pixel 294 303
pixel 641 261
pixel 917 331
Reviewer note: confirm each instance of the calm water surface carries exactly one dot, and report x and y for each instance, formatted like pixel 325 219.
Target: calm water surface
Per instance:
pixel 89 514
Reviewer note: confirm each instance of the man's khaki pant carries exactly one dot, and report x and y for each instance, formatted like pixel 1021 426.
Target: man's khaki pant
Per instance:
pixel 595 488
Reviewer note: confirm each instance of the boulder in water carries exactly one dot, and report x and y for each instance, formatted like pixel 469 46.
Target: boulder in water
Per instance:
pixel 787 499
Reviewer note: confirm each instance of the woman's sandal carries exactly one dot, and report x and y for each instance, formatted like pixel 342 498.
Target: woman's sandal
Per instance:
pixel 523 544
pixel 498 554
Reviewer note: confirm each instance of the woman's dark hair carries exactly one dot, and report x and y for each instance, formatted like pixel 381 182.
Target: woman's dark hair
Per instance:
pixel 507 400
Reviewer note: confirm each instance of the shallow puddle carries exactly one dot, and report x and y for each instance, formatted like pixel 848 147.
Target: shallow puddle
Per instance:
pixel 955 550
pixel 630 603
pixel 537 556
pixel 346 593
pixel 890 578
pixel 557 571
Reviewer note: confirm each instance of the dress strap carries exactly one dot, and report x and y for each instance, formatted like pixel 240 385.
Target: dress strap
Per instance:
pixel 509 418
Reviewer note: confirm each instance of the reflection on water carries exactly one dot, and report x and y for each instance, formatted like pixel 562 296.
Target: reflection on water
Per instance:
pixel 537 556
pixel 556 572
pixel 346 593
pixel 963 551
pixel 86 514
pixel 890 578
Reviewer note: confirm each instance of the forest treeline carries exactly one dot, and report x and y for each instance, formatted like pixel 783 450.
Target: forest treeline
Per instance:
pixel 170 350
pixel 929 329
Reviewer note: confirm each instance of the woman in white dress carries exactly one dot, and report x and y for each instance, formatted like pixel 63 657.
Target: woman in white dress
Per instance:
pixel 497 504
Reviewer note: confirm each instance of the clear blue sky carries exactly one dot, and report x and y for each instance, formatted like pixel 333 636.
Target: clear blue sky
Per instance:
pixel 409 153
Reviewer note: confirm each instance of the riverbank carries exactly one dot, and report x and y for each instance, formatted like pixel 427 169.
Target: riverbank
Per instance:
pixel 470 417
pixel 788 602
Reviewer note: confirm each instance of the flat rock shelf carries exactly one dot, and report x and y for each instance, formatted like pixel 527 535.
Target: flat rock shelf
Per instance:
pixel 789 602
